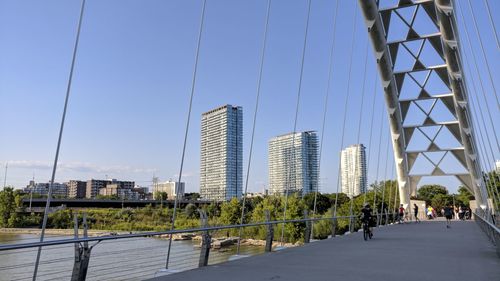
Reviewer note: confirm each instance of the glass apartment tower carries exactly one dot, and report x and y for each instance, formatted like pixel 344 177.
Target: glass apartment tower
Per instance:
pixel 353 170
pixel 221 165
pixel 293 163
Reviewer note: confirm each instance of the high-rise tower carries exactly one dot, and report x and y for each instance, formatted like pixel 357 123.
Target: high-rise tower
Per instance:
pixel 353 170
pixel 221 167
pixel 293 163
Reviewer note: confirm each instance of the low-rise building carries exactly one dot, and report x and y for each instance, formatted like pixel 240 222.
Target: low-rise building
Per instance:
pixel 76 189
pixel 143 192
pixel 172 189
pixel 58 189
pixel 94 186
pixel 115 189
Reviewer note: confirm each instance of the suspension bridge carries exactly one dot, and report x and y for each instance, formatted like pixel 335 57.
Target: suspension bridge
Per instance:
pixel 441 103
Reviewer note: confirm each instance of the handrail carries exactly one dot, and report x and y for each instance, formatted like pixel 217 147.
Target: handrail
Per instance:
pixel 156 233
pixel 490 229
pixel 166 232
pixel 494 227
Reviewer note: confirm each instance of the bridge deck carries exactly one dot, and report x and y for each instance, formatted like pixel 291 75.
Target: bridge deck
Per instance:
pixel 420 252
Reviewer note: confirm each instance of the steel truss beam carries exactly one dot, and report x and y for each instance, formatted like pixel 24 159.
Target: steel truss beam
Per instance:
pixel 446 46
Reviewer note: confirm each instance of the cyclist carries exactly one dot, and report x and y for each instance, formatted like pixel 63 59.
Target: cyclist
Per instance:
pixel 366 217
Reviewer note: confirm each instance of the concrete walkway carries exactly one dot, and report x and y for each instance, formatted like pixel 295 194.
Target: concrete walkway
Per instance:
pixel 420 252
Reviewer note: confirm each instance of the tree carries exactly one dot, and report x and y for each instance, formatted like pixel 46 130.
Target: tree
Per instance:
pixel 427 192
pixel 213 210
pixel 107 197
pixel 7 206
pixel 191 211
pixel 492 180
pixel 230 212
pixel 192 196
pixel 61 219
pixel 439 201
pixel 160 195
pixel 340 197
pixel 464 196
pixel 295 210
pixel 322 202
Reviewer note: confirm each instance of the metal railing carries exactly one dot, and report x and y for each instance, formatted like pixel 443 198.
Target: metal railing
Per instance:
pixel 485 222
pixel 136 256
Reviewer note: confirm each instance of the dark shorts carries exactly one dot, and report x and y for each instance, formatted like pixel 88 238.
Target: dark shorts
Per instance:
pixel 449 217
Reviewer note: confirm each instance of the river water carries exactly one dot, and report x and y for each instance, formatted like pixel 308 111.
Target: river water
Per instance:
pixel 126 259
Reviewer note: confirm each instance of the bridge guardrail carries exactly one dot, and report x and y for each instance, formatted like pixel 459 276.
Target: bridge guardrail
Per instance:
pixel 489 228
pixel 131 257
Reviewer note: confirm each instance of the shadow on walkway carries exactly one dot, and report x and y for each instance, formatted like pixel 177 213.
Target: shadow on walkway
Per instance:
pixel 420 252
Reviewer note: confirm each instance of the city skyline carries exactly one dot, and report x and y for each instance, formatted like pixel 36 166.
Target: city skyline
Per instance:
pixel 127 111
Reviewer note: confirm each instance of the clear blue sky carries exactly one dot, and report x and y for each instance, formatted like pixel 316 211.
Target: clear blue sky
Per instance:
pixel 133 74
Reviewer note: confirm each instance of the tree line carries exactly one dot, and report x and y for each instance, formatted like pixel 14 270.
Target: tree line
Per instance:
pixel 383 197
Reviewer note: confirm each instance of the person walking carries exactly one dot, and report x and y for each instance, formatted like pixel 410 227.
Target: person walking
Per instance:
pixel 461 213
pixel 429 212
pixel 434 213
pixel 401 214
pixel 448 213
pixel 415 212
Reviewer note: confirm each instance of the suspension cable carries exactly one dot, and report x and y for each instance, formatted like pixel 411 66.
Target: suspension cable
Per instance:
pixel 371 130
pixel 390 184
pixel 54 167
pixel 256 109
pixel 483 52
pixel 345 110
pixel 378 162
pixel 478 73
pixel 481 84
pixel 193 87
pixel 325 108
pixel 481 142
pixel 299 90
pixel 356 162
pixel 492 23
pixel 477 99
pixel 385 177
pixel 396 189
pixel 359 124
pixel 483 152
pixel 390 190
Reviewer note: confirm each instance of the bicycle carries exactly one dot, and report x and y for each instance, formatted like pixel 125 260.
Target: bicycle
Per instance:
pixel 366 230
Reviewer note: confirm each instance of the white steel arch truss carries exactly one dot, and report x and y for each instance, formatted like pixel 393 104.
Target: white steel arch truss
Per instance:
pixel 417 51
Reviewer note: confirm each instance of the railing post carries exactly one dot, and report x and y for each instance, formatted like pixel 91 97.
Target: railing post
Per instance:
pixel 334 225
pixel 205 241
pixel 269 232
pixel 307 232
pixel 82 253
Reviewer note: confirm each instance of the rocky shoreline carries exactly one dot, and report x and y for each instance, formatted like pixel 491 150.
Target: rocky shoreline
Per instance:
pixel 223 242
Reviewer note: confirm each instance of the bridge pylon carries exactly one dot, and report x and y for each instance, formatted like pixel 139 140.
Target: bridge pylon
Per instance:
pixel 416 46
